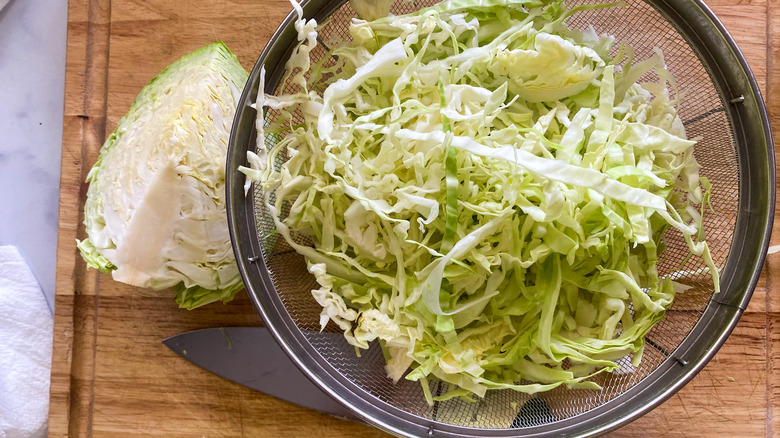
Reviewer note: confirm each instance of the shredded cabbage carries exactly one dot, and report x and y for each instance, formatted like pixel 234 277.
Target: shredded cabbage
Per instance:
pixel 486 190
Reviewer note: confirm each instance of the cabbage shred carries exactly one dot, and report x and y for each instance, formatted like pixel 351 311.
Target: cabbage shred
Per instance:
pixel 487 192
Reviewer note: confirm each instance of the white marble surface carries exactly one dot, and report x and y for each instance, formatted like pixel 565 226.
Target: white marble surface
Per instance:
pixel 32 82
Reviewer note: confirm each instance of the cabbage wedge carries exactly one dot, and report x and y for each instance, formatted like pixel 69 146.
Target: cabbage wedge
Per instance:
pixel 155 209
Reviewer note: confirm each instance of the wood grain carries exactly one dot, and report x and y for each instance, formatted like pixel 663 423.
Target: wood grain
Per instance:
pixel 75 318
pixel 111 375
pixel 772 266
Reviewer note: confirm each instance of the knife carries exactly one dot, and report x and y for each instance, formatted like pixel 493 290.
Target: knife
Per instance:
pixel 251 357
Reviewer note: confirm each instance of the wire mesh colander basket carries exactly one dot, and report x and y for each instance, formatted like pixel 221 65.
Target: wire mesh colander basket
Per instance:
pixel 721 106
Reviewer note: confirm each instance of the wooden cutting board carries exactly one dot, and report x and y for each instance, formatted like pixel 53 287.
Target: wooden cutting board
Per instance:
pixel 111 375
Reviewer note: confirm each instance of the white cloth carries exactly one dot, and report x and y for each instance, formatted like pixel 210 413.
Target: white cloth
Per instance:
pixel 3 3
pixel 25 349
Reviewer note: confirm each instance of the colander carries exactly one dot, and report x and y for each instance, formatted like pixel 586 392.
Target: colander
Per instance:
pixel 722 106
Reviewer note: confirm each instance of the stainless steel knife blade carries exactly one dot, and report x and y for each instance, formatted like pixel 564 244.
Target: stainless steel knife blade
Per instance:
pixel 251 357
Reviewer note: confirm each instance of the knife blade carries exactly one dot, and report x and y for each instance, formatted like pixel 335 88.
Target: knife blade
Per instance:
pixel 251 357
